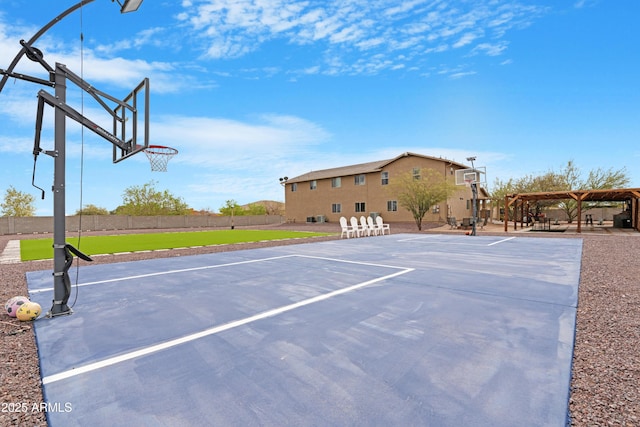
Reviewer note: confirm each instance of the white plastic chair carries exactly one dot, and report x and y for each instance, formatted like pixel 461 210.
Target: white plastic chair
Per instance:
pixel 355 226
pixel 364 228
pixel 382 226
pixel 372 227
pixel 346 229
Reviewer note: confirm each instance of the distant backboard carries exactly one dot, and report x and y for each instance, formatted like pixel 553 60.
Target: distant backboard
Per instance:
pixel 131 123
pixel 476 175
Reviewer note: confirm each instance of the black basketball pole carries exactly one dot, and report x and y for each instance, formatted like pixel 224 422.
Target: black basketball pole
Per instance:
pixel 474 196
pixel 60 291
pixel 57 79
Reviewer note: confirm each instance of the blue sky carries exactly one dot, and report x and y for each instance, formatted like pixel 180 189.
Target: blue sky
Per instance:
pixel 252 90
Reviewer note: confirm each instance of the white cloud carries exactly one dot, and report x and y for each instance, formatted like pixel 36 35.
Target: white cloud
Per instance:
pixel 15 145
pixel 228 144
pixel 490 49
pixel 403 8
pixel 585 3
pixel 439 48
pixel 99 65
pixel 349 30
pixel 461 74
pixel 455 72
pixel 227 158
pixel 148 37
pixel 466 39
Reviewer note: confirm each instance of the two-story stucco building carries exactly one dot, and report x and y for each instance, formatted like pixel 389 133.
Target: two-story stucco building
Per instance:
pixel 362 189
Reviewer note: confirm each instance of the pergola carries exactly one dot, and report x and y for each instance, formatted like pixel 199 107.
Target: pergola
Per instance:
pixel 522 201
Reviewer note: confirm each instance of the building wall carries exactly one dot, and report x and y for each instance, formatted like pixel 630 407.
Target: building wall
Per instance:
pixel 307 203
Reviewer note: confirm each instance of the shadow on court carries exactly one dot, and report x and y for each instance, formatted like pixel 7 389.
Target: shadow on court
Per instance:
pixel 441 330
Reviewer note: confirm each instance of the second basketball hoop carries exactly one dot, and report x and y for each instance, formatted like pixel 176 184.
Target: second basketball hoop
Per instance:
pixel 159 156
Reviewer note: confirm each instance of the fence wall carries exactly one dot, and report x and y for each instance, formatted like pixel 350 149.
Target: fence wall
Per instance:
pixel 44 224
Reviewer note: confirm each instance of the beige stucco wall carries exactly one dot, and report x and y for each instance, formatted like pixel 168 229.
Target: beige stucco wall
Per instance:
pixel 305 202
pixel 44 224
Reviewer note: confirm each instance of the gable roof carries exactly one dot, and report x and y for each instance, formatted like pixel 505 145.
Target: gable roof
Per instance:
pixel 362 168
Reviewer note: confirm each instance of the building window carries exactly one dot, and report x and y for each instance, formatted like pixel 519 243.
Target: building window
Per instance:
pixel 294 186
pixel 336 182
pixel 384 178
pixel 360 207
pixel 336 208
pixel 436 209
pixel 313 184
pixel 392 205
pixel 416 173
pixel 359 179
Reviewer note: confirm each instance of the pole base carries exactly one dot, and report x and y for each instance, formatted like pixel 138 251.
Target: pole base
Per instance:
pixel 58 310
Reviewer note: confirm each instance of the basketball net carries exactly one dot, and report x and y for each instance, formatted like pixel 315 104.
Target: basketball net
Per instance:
pixel 159 156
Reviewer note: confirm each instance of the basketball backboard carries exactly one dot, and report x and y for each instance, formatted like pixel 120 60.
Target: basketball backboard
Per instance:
pixel 476 175
pixel 131 122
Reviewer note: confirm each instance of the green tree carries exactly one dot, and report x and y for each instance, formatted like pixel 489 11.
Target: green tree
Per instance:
pixel 547 182
pixel 418 193
pixel 597 179
pixel 92 210
pixel 255 209
pixel 568 178
pixel 232 208
pixel 500 190
pixel 17 203
pixel 273 207
pixel 145 200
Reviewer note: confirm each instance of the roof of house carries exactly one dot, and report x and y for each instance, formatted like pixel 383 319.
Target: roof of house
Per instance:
pixel 361 168
pixel 608 195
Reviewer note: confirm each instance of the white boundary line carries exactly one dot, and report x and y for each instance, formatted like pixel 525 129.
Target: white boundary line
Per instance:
pixel 419 238
pixel 206 267
pixel 450 242
pixel 346 261
pixel 160 273
pixel 501 241
pixel 211 331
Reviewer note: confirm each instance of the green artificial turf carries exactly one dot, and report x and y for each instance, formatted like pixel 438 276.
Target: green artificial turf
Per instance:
pixel 93 245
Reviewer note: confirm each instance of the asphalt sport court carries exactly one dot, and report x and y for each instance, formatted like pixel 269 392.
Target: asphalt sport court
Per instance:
pixel 405 329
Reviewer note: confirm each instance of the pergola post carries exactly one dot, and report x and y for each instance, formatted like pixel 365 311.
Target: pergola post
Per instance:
pixel 579 228
pixel 506 212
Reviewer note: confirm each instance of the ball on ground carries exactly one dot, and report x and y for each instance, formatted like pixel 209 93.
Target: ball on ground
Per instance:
pixel 14 304
pixel 29 311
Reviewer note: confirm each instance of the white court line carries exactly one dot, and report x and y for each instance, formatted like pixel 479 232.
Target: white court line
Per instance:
pixel 211 331
pixel 501 241
pixel 417 238
pixel 346 261
pixel 206 267
pixel 160 273
pixel 455 243
pixel 444 242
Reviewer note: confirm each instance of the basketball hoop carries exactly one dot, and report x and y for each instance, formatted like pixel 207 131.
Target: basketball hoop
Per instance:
pixel 159 156
pixel 468 182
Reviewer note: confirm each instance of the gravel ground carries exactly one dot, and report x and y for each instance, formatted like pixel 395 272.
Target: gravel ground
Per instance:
pixel 606 367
